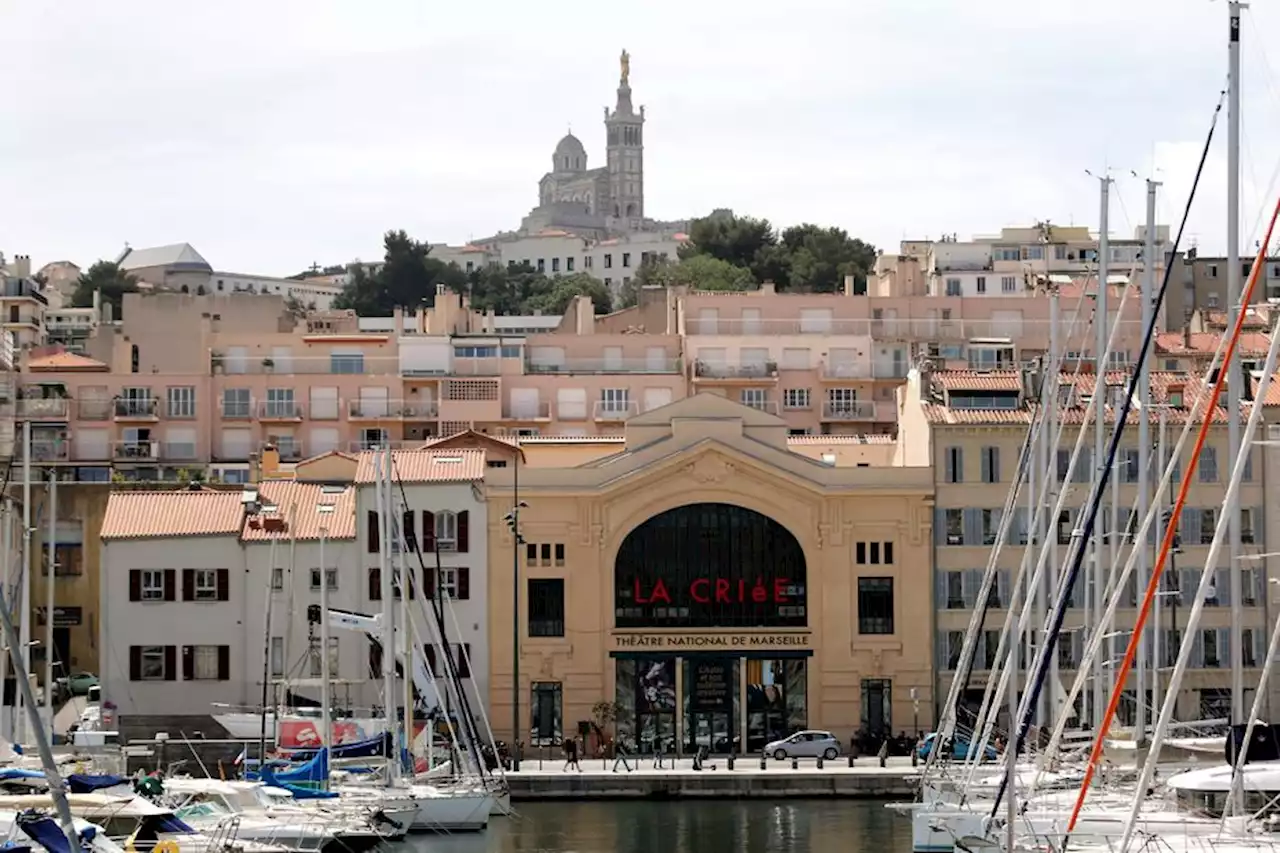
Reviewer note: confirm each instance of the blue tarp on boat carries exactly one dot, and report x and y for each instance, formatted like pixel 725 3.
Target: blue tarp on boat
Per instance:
pixel 44 830
pixel 304 781
pixel 12 774
pixel 83 783
pixel 376 746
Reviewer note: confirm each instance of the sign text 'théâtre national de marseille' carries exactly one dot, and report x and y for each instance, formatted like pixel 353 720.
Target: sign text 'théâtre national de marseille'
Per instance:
pixel 728 642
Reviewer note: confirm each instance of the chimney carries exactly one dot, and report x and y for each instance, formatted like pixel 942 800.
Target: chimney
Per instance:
pixel 1186 336
pixel 848 285
pixel 767 286
pixel 440 288
pixel 269 464
pixel 22 266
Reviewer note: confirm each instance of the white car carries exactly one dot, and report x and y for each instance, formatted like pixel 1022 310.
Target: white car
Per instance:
pixel 806 744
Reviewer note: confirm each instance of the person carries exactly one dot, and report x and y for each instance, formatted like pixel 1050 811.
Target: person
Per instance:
pixel 883 754
pixel 658 755
pixel 571 754
pixel 620 756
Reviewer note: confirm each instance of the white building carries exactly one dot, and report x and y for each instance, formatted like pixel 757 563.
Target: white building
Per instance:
pixel 180 268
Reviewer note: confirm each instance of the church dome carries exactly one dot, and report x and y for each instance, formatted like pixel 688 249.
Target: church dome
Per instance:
pixel 570 156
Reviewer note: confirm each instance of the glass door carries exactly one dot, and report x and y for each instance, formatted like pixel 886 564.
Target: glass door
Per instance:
pixel 709 730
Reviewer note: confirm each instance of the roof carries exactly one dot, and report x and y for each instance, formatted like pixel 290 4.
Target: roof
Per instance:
pixel 174 255
pixel 1206 343
pixel 296 504
pixel 151 515
pixel 427 466
pixel 978 380
pixel 64 361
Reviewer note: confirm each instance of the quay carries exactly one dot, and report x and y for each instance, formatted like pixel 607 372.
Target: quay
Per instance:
pixel 866 779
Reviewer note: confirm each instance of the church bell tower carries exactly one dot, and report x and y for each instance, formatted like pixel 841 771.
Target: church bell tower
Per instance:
pixel 625 129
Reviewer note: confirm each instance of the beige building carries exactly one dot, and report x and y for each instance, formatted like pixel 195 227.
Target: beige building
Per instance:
pixel 969 428
pixel 714 586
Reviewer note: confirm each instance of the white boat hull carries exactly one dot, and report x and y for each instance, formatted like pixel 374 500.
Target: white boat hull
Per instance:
pixel 463 811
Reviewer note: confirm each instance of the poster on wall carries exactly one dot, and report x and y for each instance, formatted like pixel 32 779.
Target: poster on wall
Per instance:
pixel 656 685
pixel 711 687
pixel 764 697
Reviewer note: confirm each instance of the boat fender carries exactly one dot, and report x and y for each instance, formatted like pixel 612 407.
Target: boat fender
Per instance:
pixel 167 845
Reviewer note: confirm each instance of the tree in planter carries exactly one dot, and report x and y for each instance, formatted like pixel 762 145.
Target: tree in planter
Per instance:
pixel 605 714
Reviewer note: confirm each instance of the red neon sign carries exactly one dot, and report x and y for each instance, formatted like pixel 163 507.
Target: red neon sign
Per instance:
pixel 718 591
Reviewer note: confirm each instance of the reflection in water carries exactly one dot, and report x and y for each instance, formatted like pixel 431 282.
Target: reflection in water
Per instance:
pixel 741 826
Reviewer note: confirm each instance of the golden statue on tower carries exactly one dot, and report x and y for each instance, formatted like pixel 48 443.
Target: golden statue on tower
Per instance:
pixel 625 62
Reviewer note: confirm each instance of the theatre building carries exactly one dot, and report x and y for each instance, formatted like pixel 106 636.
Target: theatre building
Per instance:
pixel 704 580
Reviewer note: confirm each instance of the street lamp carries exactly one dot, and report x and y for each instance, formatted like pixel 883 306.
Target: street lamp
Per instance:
pixel 513 524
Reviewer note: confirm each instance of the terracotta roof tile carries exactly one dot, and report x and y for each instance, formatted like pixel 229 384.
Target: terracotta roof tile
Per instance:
pixel 978 380
pixel 295 505
pixel 149 515
pixel 1206 343
pixel 428 466
pixel 65 361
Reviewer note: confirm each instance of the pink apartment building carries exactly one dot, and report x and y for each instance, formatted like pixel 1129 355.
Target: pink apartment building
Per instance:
pixel 190 382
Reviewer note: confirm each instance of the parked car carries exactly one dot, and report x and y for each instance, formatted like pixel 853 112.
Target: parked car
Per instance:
pixel 806 744
pixel 959 748
pixel 78 683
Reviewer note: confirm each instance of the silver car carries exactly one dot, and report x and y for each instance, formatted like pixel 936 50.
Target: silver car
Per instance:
pixel 806 744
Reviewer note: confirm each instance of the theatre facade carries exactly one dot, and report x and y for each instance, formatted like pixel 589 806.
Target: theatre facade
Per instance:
pixel 703 585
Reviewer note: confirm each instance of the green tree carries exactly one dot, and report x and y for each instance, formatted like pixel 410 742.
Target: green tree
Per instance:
pixel 562 290
pixel 407 279
pixel 819 258
pixel 504 290
pixel 697 272
pixel 743 241
pixel 107 277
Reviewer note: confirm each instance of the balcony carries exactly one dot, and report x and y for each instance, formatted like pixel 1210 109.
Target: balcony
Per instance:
pixel 375 410
pixel 539 411
pixel 290 450
pixel 748 372
pixel 137 409
pixel 178 451
pixel 309 365
pixel 279 410
pixel 136 451
pixel 93 410
pixel 733 327
pixel 43 409
pixel 614 410
pixel 877 369
pixel 236 410
pixel 588 366
pixel 422 410
pixel 769 406
pixel 361 445
pixel 21 288
pixel 49 450
pixel 853 410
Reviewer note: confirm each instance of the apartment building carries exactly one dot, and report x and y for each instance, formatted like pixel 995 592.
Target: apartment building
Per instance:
pixel 23 303
pixel 179 268
pixel 969 427
pixel 178 567
pixel 1200 284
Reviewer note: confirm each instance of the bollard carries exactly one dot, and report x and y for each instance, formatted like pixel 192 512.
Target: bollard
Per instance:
pixel 795 764
pixel 850 760
pixel 915 758
pixel 819 762
pixel 882 759
pixel 730 762
pixel 764 763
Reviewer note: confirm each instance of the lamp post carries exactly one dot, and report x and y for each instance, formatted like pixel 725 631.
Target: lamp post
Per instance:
pixel 513 524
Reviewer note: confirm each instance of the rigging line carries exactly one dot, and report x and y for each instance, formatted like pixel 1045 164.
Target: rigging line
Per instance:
pixel 1054 624
pixel 1153 585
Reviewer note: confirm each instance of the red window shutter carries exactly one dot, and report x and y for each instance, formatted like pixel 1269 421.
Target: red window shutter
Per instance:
pixel 375 584
pixel 170 584
pixel 170 663
pixel 224 585
pixel 464 583
pixel 428 582
pixel 428 530
pixel 464 531
pixel 188 584
pixel 188 663
pixel 135 663
pixel 135 584
pixel 372 532
pixel 410 534
pixel 224 663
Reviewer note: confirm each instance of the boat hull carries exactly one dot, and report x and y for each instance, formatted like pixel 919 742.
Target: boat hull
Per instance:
pixel 459 812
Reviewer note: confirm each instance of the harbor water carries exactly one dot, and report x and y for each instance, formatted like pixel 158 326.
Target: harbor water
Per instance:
pixel 687 826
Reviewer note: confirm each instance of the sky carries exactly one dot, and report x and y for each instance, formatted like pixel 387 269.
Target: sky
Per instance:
pixel 274 135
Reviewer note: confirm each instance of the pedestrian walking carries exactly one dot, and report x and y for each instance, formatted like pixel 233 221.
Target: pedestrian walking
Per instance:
pixel 659 756
pixel 571 755
pixel 620 757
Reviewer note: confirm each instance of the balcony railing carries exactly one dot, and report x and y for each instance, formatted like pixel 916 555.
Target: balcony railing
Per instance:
pixel 179 451
pixel 290 451
pixel 47 450
pixel 94 410
pixel 35 408
pixel 422 410
pixel 664 365
pixel 534 411
pixel 137 408
pixel 719 370
pixel 375 409
pixel 769 406
pixel 332 365
pixel 854 410
pixel 280 410
pixel 180 410
pixel 360 445
pixel 615 410
pixel 927 329
pixel 237 410
pixel 878 369
pixel 458 367
pixel 136 451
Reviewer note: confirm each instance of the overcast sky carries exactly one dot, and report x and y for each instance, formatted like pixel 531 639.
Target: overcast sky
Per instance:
pixel 273 134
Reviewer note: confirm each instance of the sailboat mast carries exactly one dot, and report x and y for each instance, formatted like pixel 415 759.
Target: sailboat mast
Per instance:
pixel 50 594
pixel 1144 455
pixel 383 491
pixel 1102 327
pixel 1048 586
pixel 24 582
pixel 266 653
pixel 1232 367
pixel 6 546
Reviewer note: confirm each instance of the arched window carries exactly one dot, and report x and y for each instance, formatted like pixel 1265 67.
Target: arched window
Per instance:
pixel 710 565
pixel 631 210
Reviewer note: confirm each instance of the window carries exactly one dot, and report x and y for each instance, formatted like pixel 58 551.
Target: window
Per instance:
pixel 204 662
pixel 346 363
pixel 1208 522
pixel 546 704
pixel 448 582
pixel 990 464
pixel 235 402
pixel 152 585
pixel 756 398
pixel 626 259
pixel 953 287
pixel 546 607
pixel 541 554
pixel 542 264
pixel 154 663
pixel 954 526
pixel 568 264
pixel 331 579
pixel 1246 526
pixel 615 400
pixel 182 402
pixel 954 464
pixel 1209 465
pixel 875 605
pixel 313 655
pixel 873 553
pixel 990 523
pixel 608 262
pixel 953 590
pixel 277 657
pixel 555 265
pixel 1008 284
pixel 796 398
pixel 588 262
pixel 446 527
pixel 204 585
pixel 280 403
pixel 277 578
pixel 981 284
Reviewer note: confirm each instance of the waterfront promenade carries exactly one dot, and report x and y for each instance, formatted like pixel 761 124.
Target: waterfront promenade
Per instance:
pixel 548 780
